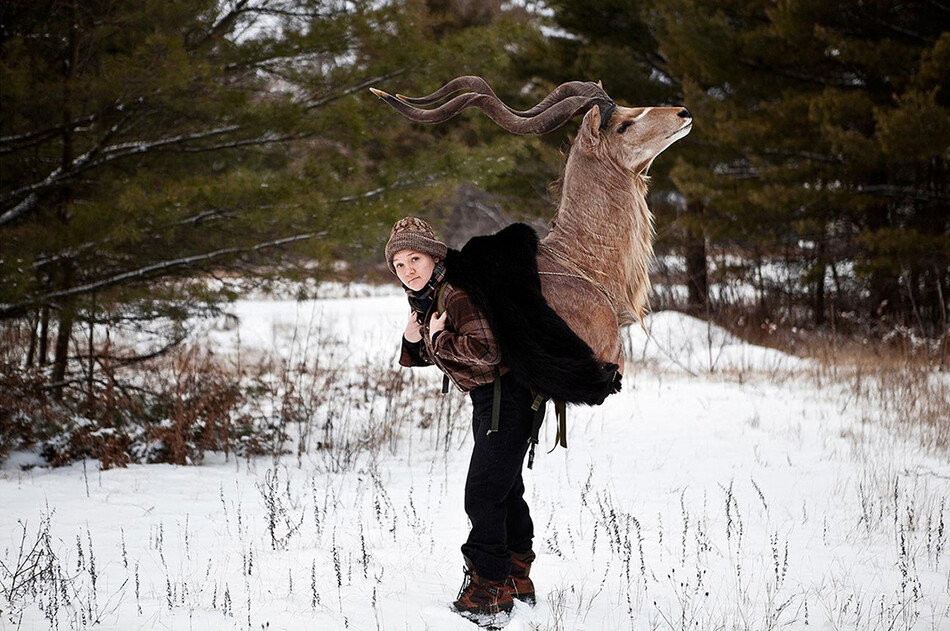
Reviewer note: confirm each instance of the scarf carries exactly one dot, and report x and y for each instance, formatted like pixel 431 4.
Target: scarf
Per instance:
pixel 421 300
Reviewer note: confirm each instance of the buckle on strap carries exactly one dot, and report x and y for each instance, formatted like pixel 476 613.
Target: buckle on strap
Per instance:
pixel 539 407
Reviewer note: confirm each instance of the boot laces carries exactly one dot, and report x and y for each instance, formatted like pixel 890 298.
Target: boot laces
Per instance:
pixel 466 581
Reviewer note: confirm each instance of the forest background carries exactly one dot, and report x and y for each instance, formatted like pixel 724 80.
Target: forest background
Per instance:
pixel 159 159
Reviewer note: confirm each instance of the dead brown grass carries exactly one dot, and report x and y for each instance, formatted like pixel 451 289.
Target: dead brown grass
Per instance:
pixel 893 377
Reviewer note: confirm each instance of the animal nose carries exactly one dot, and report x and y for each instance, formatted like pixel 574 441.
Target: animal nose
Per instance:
pixel 684 113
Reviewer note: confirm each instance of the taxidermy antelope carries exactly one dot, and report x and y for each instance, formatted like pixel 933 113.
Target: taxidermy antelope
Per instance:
pixel 594 261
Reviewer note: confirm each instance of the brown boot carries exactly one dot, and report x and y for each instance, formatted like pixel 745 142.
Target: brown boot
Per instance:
pixel 481 596
pixel 520 567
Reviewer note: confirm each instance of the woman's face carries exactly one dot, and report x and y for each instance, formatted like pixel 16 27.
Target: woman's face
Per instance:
pixel 414 269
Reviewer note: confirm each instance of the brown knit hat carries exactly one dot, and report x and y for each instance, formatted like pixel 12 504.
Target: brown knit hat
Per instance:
pixel 412 233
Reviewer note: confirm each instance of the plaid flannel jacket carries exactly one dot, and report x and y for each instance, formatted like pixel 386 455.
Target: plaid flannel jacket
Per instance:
pixel 466 350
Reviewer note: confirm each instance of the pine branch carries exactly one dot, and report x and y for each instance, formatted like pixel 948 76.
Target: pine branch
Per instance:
pixel 385 189
pixel 119 361
pixel 75 251
pixel 309 15
pixel 890 26
pixel 23 207
pixel 33 138
pixel 56 176
pixel 362 86
pixel 101 155
pixel 857 84
pixel 221 25
pixel 93 158
pixel 266 139
pixel 148 272
pixel 902 192
pixel 938 5
pixel 774 151
pixel 226 213
pixel 794 153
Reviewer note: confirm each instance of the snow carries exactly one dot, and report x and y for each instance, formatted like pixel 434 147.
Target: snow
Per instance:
pixel 721 489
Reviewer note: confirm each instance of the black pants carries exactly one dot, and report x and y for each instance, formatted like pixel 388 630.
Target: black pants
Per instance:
pixel 494 489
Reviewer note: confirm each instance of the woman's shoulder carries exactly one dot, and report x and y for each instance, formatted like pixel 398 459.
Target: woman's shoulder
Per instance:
pixel 453 296
pixel 448 288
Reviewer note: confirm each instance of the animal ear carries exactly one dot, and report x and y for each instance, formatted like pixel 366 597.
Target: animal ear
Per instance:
pixel 591 127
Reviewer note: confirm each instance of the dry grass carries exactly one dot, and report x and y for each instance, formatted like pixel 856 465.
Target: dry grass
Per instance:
pixel 895 378
pixel 308 400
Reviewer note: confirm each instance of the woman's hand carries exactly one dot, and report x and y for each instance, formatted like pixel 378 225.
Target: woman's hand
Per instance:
pixel 413 329
pixel 437 323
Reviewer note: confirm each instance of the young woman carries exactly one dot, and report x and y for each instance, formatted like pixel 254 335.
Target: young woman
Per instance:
pixel 461 344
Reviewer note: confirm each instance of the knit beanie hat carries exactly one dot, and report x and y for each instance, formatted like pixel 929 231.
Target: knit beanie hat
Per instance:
pixel 412 233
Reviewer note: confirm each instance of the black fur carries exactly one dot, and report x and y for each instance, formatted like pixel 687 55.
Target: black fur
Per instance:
pixel 500 273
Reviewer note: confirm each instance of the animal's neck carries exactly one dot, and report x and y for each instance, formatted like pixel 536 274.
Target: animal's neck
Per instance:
pixel 604 226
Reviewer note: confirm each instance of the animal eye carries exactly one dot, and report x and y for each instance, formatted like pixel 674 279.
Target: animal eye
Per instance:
pixel 623 127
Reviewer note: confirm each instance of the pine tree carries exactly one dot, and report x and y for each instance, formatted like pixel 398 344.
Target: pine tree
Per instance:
pixel 837 121
pixel 147 146
pixel 616 42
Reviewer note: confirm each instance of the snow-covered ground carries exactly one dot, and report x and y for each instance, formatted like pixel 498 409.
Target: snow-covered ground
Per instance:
pixel 719 490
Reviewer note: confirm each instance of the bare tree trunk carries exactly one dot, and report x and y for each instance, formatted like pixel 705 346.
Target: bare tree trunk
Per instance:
pixel 110 380
pixel 67 307
pixel 697 272
pixel 820 282
pixel 762 310
pixel 31 353
pixel 945 337
pixel 882 285
pixel 44 335
pixel 62 349
pixel 91 393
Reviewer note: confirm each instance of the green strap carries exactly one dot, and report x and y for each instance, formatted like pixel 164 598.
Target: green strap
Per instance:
pixel 538 407
pixel 439 308
pixel 495 406
pixel 560 410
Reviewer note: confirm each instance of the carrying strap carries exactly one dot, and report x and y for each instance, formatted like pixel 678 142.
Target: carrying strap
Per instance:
pixel 439 308
pixel 538 407
pixel 495 405
pixel 560 411
pixel 439 305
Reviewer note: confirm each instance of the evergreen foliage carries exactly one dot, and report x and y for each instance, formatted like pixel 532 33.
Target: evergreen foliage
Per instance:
pixel 821 137
pixel 150 150
pixel 616 42
pixel 837 117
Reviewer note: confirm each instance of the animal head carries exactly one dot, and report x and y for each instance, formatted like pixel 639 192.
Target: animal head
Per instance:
pixel 632 137
pixel 628 137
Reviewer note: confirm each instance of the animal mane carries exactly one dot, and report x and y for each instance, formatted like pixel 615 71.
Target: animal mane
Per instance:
pixel 593 219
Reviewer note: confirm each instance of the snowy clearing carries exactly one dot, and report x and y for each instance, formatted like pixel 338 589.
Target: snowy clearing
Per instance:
pixel 720 490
